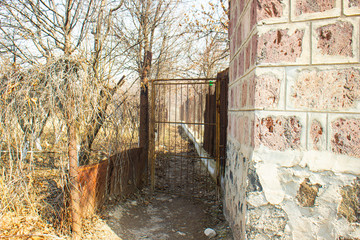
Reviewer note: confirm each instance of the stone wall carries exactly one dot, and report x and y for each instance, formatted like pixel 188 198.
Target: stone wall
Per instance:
pixel 294 120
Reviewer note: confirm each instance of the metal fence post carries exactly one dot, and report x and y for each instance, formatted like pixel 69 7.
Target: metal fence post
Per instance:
pixel 144 109
pixel 217 131
pixel 152 137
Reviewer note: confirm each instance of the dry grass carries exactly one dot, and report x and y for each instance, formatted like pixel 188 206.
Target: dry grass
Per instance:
pixel 22 209
pixel 33 200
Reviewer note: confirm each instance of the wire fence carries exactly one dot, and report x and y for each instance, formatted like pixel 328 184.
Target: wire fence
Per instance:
pixel 39 107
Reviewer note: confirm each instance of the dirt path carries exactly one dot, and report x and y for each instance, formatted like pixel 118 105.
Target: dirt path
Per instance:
pixel 165 216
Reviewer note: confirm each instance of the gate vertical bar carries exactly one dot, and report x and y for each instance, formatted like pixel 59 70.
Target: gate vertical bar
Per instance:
pixel 217 133
pixel 151 162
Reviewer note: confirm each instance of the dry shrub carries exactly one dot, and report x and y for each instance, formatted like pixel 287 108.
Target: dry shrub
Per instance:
pixel 34 196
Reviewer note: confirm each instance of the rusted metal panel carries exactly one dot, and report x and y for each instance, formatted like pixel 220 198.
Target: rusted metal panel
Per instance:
pixel 126 172
pixel 92 182
pixel 120 175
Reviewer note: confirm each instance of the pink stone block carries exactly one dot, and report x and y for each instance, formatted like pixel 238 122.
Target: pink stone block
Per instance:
pixel 346 137
pixel 236 65
pixel 267 90
pixel 253 13
pixel 241 64
pixel 316 132
pixel 278 133
pixel 337 89
pixel 244 93
pixel 335 39
pixel 254 43
pixel 269 9
pixel 238 36
pixel 247 56
pixel 252 86
pixel 306 6
pixel 278 46
pixel 353 4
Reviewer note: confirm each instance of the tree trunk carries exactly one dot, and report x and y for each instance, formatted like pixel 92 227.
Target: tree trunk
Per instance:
pixel 74 183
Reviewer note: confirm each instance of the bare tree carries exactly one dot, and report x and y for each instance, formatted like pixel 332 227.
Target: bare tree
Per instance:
pixel 149 25
pixel 207 28
pixel 54 34
pixel 55 29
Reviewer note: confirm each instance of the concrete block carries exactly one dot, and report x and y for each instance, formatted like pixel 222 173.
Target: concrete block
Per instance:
pixel 230 97
pixel 241 5
pixel 270 182
pixel 235 95
pixel 231 71
pixel 335 41
pixel 231 126
pixel 235 67
pixel 253 13
pixel 319 161
pixel 241 129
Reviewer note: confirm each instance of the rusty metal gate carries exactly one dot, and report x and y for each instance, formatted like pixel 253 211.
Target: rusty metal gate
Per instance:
pixel 184 144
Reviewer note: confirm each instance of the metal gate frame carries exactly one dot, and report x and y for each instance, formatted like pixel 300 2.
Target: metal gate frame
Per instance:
pixel 153 122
